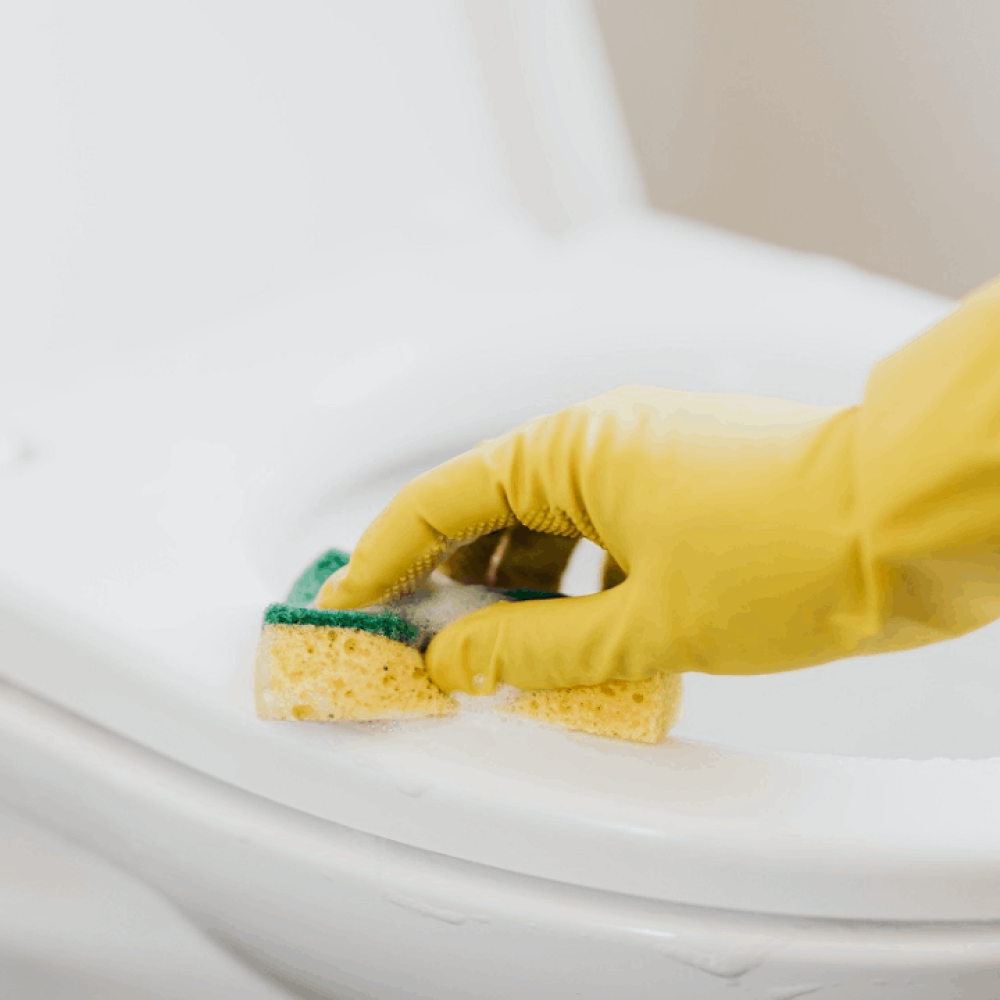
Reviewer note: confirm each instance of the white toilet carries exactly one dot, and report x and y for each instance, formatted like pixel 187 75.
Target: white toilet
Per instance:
pixel 831 833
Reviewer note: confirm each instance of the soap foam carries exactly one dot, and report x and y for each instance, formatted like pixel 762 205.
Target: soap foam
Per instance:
pixel 438 602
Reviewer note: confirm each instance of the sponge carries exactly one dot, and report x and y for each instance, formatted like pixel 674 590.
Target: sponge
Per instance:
pixel 641 711
pixel 367 665
pixel 340 665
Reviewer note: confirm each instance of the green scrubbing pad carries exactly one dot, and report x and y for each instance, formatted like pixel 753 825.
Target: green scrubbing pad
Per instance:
pixel 296 611
pixel 306 587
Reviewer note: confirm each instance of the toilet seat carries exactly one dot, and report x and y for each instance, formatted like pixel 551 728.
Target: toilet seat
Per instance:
pixel 147 625
pixel 345 242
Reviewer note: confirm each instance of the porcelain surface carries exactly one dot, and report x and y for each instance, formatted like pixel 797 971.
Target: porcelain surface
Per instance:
pixel 185 521
pixel 351 270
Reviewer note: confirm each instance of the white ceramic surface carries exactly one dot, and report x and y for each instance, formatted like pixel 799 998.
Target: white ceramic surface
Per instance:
pixel 827 832
pixel 694 830
pixel 74 926
pixel 348 915
pixel 173 550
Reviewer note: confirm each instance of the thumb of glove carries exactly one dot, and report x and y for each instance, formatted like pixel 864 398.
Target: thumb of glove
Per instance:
pixel 554 643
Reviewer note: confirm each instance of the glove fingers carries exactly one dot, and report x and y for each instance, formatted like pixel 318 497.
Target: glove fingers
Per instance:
pixel 527 476
pixel 563 642
pixel 455 502
pixel 515 557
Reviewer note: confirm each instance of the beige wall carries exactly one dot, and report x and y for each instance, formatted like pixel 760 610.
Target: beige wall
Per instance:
pixel 867 129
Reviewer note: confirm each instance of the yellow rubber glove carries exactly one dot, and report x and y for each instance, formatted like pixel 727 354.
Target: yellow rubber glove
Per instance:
pixel 756 535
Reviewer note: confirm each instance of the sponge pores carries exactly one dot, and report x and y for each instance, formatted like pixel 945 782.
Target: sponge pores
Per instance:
pixel 319 672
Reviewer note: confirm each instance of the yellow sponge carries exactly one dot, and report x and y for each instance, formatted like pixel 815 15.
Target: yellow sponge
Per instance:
pixel 363 666
pixel 642 711
pixel 319 672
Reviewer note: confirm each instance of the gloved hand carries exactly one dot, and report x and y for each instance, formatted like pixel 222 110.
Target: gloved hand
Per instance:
pixel 755 535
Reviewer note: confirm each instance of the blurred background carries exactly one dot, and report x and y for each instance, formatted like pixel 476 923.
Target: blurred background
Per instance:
pixel 164 165
pixel 868 131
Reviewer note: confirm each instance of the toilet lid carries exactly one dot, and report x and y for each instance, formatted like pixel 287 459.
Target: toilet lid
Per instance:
pixel 156 508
